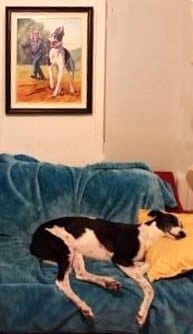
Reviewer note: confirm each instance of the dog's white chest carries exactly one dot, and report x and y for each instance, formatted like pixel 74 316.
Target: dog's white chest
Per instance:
pixel 56 56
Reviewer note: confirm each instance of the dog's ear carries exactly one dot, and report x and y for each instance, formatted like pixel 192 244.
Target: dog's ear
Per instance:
pixel 155 213
pixel 62 29
pixel 149 222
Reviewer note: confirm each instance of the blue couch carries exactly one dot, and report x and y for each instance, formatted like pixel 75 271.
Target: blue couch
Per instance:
pixel 32 192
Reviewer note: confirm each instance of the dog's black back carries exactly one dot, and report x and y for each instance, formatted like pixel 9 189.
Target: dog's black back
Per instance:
pixel 120 239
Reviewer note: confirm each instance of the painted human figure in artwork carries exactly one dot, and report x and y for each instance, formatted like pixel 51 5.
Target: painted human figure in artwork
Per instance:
pixel 36 47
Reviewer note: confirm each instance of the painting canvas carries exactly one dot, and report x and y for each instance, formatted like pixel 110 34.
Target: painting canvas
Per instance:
pixel 49 59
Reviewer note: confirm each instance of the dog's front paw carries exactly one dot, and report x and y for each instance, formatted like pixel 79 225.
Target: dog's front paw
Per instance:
pixel 56 92
pixel 141 318
pixel 113 285
pixel 87 312
pixel 71 91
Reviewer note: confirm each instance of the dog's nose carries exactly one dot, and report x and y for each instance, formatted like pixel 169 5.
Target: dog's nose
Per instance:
pixel 181 235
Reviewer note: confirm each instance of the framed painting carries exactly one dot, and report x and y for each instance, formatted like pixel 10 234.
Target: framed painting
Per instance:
pixel 49 58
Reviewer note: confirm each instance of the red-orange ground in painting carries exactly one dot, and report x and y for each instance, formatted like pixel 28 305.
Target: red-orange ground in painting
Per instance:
pixel 38 91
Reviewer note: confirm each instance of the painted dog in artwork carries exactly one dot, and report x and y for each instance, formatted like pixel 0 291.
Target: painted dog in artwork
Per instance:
pixel 60 58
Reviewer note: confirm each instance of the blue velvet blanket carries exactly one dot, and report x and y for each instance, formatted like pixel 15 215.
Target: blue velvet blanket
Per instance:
pixel 32 192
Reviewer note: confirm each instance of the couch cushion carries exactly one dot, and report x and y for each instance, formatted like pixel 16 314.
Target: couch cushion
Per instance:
pixel 168 257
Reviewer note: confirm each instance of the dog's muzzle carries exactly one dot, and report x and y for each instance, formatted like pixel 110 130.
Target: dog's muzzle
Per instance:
pixel 179 235
pixel 53 43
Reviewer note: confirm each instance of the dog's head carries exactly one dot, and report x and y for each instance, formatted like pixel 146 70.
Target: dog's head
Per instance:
pixel 168 223
pixel 56 37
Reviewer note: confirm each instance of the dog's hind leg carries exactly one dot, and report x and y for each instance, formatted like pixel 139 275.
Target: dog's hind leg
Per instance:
pixel 82 274
pixel 70 69
pixel 59 251
pixel 63 283
pixel 136 273
pixel 69 76
pixel 65 287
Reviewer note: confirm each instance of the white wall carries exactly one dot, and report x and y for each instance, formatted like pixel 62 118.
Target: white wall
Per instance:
pixel 144 48
pixel 148 91
pixel 65 139
pixel 185 147
pixel 149 86
pixel 185 139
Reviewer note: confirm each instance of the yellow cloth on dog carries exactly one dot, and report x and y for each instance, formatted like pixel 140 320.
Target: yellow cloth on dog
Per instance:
pixel 168 257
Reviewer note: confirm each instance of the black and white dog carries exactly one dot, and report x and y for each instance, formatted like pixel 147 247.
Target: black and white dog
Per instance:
pixel 60 58
pixel 67 240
